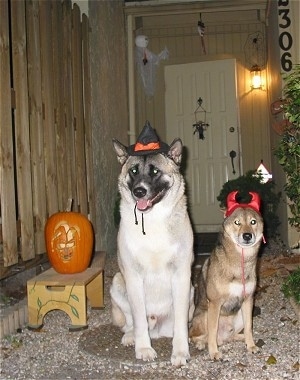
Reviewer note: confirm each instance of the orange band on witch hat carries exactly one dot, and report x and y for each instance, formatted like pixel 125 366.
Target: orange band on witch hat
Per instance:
pixel 150 146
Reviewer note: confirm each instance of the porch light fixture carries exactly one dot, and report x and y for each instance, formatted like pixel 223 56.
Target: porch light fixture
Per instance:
pixel 256 81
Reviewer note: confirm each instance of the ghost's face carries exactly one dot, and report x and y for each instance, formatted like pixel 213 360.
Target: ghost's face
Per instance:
pixel 141 41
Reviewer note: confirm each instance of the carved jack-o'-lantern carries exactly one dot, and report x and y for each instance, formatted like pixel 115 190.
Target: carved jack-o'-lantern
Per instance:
pixel 69 242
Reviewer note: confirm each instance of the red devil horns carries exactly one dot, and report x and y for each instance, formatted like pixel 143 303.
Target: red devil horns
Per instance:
pixel 232 204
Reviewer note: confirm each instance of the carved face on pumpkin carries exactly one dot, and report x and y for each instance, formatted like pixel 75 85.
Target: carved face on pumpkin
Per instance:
pixel 65 239
pixel 69 241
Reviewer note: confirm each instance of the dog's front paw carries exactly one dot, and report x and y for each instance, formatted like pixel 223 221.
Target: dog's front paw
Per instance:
pixel 253 349
pixel 128 339
pixel 147 354
pixel 215 355
pixel 199 342
pixel 180 358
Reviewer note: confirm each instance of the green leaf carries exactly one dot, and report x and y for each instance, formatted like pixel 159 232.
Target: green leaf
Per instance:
pixel 74 311
pixel 271 360
pixel 75 297
pixel 39 302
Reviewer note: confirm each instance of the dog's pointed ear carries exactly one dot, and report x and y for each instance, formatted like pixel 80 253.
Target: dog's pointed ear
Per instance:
pixel 121 151
pixel 175 151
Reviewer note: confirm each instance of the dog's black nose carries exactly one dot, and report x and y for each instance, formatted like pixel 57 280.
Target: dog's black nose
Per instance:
pixel 139 192
pixel 247 236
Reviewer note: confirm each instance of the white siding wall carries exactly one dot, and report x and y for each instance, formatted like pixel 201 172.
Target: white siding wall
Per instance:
pixel 225 36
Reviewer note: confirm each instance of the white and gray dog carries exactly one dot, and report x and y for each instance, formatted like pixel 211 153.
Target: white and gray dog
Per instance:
pixel 152 295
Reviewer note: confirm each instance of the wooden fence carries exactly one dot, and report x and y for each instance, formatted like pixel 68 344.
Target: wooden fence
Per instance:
pixel 45 131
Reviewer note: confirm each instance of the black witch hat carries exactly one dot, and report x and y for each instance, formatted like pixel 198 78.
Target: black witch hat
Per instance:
pixel 147 143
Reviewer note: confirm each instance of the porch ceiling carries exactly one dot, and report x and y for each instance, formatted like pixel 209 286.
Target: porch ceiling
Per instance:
pixel 163 7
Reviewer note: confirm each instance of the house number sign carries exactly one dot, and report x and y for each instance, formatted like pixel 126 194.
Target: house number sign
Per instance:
pixel 285 37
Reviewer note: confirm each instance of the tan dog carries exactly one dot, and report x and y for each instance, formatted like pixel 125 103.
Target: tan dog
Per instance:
pixel 228 279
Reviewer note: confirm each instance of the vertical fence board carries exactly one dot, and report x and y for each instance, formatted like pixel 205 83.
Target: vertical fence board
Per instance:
pixel 36 123
pixel 7 184
pixel 68 103
pixel 87 116
pixel 78 110
pixel 61 143
pixel 48 108
pixel 23 158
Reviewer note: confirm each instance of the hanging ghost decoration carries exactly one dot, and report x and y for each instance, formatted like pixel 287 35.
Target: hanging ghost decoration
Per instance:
pixel 147 63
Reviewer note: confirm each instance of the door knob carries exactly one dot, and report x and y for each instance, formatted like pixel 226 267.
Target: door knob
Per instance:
pixel 232 155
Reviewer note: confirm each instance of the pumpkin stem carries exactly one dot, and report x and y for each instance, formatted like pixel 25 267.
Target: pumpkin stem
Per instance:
pixel 69 205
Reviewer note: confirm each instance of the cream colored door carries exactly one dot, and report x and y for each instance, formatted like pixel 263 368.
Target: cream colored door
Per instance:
pixel 208 162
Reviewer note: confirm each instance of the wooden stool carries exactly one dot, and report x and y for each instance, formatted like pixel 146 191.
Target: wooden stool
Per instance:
pixel 68 292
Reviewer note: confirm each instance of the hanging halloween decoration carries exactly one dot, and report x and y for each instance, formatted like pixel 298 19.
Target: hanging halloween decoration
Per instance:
pixel 200 125
pixel 201 30
pixel 147 63
pixel 255 50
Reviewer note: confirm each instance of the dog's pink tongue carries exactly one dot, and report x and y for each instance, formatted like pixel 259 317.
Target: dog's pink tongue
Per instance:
pixel 142 204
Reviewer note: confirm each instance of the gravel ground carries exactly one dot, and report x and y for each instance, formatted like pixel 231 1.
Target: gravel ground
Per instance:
pixel 55 353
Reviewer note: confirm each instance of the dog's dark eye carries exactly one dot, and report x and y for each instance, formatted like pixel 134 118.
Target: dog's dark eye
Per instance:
pixel 134 170
pixel 237 222
pixel 153 171
pixel 253 221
